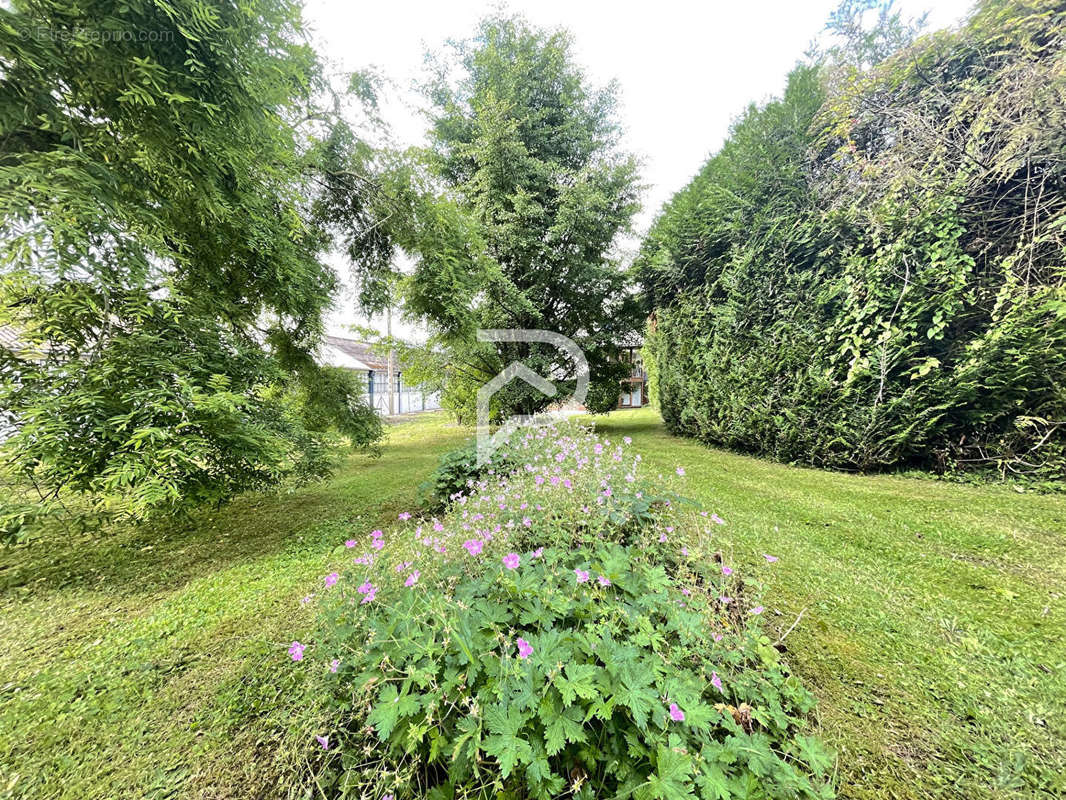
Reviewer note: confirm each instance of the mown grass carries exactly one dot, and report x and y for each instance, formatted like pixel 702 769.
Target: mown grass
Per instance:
pixel 151 662
pixel 934 620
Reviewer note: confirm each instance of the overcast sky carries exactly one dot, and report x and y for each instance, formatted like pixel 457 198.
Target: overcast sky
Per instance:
pixel 685 69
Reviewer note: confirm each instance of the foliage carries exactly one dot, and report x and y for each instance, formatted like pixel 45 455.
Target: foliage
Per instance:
pixel 529 151
pixel 160 265
pixel 869 273
pixel 571 559
pixel 458 471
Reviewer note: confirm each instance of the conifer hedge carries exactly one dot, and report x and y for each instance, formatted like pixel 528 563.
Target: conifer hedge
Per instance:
pixel 871 272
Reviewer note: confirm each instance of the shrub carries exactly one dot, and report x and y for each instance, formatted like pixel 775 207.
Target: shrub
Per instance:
pixel 541 679
pixel 554 633
pixel 457 473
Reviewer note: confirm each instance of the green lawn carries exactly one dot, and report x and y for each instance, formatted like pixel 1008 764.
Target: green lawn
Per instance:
pixel 934 625
pixel 151 662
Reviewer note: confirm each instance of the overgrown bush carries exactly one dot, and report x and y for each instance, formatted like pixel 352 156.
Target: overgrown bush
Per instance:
pixel 457 473
pixel 869 274
pixel 561 630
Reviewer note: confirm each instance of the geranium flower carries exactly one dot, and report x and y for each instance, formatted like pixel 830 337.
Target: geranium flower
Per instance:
pixel 334 664
pixel 473 546
pixel 684 552
pixel 662 537
pixel 716 682
pixel 757 610
pixel 717 520
pixel 604 580
pixel 676 714
pixel 582 575
pixel 406 515
pixel 350 543
pixel 681 471
pixel 511 561
pixel 412 579
pixel 324 741
pixel 769 558
pixel 538 552
pixel 525 650
pixel 727 571
pixel 296 650
pixel 332 579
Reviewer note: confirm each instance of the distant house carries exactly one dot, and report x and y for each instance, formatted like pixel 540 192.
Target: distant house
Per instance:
pixel 365 360
pixel 634 392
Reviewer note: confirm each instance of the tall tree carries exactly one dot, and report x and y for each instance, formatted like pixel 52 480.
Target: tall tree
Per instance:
pixel 157 262
pixel 529 152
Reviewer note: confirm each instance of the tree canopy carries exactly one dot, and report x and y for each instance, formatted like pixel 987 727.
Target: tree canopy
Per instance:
pixel 160 263
pixel 532 193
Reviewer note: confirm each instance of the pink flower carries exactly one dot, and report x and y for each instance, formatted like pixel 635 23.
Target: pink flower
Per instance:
pixel 538 552
pixel 603 580
pixel 296 650
pixel 684 552
pixel 757 610
pixel 716 682
pixel 676 714
pixel 686 592
pixel 350 543
pixel 627 439
pixel 717 637
pixel 406 515
pixel 769 558
pixel 717 520
pixel 473 546
pixel 662 537
pixel 681 471
pixel 725 600
pixel 526 521
pixel 727 571
pixel 332 579
pixel 378 544
pixel 412 579
pixel 525 650
pixel 582 575
pixel 438 527
pixel 511 561
pixel 376 534
pixel 306 599
pixel 324 741
pixel 334 664
pixel 369 596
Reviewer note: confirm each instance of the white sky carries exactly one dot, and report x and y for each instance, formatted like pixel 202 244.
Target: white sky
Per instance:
pixel 685 69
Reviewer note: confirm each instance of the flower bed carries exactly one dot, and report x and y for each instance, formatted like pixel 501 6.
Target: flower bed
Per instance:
pixel 568 628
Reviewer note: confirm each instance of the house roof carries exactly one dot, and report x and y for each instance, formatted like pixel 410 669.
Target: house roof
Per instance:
pixel 352 354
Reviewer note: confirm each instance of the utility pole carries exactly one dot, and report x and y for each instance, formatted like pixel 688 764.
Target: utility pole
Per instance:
pixel 389 377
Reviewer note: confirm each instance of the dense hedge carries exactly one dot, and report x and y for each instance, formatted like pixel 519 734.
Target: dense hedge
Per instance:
pixel 870 273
